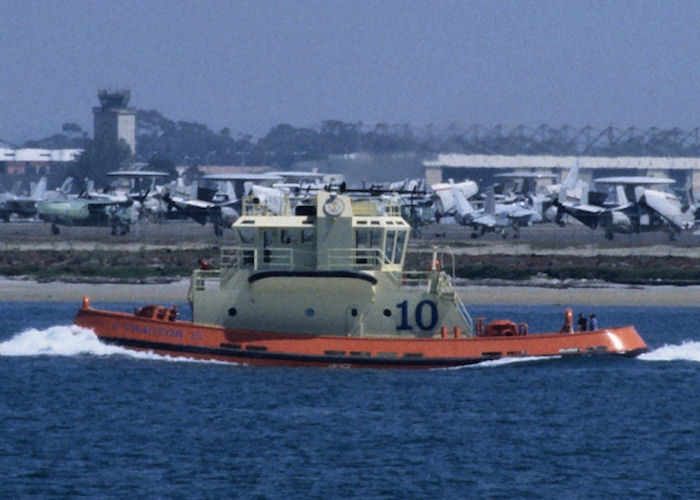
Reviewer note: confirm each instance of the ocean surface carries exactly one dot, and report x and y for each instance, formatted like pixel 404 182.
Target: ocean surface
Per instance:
pixel 79 419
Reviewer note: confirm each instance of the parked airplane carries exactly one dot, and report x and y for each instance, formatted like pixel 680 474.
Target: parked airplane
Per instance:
pixel 117 208
pixel 578 207
pixel 26 206
pixel 140 187
pixel 485 220
pixel 524 183
pixel 641 209
pixel 219 205
pixel 527 191
pixel 83 211
pixel 443 196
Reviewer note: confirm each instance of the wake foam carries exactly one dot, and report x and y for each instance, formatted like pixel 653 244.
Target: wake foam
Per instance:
pixel 57 341
pixel 74 340
pixel 494 363
pixel 686 351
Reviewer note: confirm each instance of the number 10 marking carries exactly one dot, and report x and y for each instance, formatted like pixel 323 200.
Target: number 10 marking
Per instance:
pixel 418 314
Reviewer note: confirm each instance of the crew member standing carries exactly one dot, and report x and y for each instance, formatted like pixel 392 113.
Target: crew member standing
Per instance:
pixel 582 323
pixel 593 322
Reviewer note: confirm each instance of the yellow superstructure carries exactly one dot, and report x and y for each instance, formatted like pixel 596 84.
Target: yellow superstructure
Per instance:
pixel 333 266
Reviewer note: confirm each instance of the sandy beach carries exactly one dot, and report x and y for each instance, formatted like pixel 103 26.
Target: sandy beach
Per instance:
pixel 19 290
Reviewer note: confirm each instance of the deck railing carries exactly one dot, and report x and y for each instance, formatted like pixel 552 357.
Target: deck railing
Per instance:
pixel 288 258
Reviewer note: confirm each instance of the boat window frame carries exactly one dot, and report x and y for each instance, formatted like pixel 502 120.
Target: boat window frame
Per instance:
pixel 400 246
pixel 246 235
pixel 308 235
pixel 289 236
pixel 389 244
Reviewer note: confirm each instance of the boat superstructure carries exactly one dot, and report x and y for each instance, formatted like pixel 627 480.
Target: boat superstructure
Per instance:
pixel 334 266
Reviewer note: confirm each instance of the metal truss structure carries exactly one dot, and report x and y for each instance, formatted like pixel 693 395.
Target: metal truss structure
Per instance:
pixel 566 140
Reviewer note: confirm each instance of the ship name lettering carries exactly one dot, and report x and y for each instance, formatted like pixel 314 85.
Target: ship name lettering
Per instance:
pixel 156 331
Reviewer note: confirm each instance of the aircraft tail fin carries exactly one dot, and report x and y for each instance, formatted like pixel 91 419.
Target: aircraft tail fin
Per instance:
pixel 66 186
pixel 464 208
pixel 39 190
pixel 621 196
pixel 490 205
pixel 569 181
pixel 584 193
pixel 689 204
pixel 231 192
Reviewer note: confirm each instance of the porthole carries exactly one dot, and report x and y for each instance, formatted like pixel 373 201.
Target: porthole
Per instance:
pixel 387 312
pixel 232 311
pixel 309 312
pixel 353 312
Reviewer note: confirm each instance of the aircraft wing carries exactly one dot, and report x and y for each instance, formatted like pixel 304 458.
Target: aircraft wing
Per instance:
pixel 201 204
pixel 586 214
pixel 486 220
pixel 668 209
pixel 584 209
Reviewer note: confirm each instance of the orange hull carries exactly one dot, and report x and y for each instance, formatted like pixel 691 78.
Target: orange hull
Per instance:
pixel 183 338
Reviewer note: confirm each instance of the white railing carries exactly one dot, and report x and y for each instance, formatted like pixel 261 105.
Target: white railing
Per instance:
pixel 356 258
pixel 289 258
pixel 464 313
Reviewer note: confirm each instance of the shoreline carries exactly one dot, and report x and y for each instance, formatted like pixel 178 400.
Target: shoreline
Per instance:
pixel 24 290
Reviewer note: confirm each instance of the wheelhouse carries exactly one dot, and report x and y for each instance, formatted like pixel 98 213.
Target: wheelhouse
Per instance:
pixel 330 233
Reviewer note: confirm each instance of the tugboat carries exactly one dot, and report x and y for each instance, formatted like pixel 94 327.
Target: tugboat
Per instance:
pixel 324 285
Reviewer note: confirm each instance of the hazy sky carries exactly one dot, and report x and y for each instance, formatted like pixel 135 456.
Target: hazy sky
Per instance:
pixel 249 65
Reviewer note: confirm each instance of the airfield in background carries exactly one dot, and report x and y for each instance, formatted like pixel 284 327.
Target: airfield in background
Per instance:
pixel 574 239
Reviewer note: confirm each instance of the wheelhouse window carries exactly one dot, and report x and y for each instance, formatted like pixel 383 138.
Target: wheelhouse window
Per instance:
pixel 289 236
pixel 268 238
pixel 307 235
pixel 246 235
pixel 390 244
pixel 268 241
pixel 375 239
pixel 400 243
pixel 361 245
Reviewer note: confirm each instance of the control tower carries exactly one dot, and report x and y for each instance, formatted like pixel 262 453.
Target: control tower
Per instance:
pixel 114 120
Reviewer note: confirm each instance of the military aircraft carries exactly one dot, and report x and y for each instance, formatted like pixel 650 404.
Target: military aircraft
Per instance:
pixel 640 208
pixel 140 187
pixel 578 207
pixel 484 220
pixel 86 212
pixel 218 199
pixel 530 191
pixel 443 196
pixel 117 208
pixel 22 206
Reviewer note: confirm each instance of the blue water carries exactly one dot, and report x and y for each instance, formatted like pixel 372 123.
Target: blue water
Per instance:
pixel 79 419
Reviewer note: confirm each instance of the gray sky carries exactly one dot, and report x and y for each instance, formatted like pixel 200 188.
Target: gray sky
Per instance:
pixel 249 65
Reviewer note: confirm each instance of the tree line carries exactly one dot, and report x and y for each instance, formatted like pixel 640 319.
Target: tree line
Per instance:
pixel 162 143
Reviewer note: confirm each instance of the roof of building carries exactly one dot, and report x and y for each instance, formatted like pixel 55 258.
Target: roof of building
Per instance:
pixel 232 169
pixel 39 155
pixel 454 160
